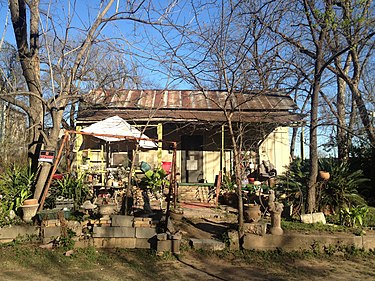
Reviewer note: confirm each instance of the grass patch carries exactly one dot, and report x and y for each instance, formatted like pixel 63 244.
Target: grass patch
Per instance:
pixel 315 228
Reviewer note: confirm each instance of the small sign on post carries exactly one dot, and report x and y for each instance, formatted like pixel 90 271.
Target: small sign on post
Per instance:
pixel 46 156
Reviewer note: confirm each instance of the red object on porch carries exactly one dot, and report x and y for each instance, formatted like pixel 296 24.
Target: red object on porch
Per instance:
pixel 167 166
pixel 58 176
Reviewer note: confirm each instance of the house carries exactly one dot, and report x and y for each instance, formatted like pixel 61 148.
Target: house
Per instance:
pixel 196 121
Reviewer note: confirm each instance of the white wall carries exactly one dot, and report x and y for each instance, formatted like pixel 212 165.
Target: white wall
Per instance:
pixel 276 149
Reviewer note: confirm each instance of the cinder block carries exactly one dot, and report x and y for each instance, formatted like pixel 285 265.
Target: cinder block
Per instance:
pixel 51 231
pixel 119 220
pixel 207 244
pixel 142 243
pixel 51 222
pixel 162 236
pixel 12 232
pixel 176 243
pixel 297 241
pixel 142 224
pixel 368 242
pixel 234 241
pixel 164 246
pixel 145 232
pixel 255 228
pixel 176 236
pixel 313 218
pixel 128 243
pixel 112 231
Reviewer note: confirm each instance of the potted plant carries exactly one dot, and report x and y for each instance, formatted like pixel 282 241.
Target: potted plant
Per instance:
pixel 153 181
pixel 16 187
pixel 252 212
pixel 228 188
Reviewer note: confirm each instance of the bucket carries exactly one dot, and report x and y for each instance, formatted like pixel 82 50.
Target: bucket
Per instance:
pixel 167 166
pixel 145 166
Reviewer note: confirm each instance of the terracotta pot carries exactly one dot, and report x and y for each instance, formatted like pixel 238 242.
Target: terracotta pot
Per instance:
pixel 230 199
pixel 252 213
pixel 251 180
pixel 30 202
pixel 324 175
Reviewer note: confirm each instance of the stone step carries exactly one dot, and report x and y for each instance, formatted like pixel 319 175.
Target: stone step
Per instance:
pixel 207 244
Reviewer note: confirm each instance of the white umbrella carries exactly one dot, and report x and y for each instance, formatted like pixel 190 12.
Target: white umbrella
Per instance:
pixel 118 127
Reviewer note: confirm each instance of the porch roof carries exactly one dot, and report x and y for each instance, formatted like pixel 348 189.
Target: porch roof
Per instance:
pixel 187 105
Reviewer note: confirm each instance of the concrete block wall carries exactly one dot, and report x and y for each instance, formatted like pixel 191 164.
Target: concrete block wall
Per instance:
pixel 9 233
pixel 125 232
pixel 305 242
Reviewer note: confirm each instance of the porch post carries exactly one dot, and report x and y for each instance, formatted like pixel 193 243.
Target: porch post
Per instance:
pixel 302 144
pixel 222 158
pixel 160 143
pixel 78 143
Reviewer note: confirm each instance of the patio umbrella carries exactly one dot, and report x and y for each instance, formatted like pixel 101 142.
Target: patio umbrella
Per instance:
pixel 117 126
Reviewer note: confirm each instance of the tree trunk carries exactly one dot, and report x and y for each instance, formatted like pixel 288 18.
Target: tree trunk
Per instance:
pixel 311 194
pixel 238 174
pixel 293 142
pixel 363 113
pixel 52 144
pixel 342 142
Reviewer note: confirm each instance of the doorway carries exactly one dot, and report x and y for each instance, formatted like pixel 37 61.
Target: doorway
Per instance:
pixel 192 158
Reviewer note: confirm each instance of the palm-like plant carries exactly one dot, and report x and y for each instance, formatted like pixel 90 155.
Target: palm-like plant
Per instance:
pixel 341 190
pixel 16 185
pixel 293 183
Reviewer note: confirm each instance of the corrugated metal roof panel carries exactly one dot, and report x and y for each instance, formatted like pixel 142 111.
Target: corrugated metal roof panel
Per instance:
pixel 186 99
pixel 166 105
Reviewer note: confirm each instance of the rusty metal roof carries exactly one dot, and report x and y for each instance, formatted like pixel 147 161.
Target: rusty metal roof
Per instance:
pixel 187 105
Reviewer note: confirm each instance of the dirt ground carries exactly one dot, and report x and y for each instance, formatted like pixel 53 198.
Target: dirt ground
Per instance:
pixel 33 263
pixel 191 265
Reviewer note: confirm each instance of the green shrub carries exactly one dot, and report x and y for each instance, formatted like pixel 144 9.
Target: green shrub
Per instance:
pixel 16 185
pixel 369 220
pixel 69 187
pixel 340 191
pixel 293 184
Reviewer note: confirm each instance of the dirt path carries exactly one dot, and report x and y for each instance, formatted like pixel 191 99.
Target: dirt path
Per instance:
pixel 32 263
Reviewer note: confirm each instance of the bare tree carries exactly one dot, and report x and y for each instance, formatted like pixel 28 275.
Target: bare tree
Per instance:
pixel 222 46
pixel 66 70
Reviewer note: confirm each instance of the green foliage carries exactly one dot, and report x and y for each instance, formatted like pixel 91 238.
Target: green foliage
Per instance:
pixel 66 242
pixel 154 179
pixel 293 183
pixel 228 183
pixel 369 220
pixel 16 185
pixel 353 215
pixel 341 189
pixel 70 187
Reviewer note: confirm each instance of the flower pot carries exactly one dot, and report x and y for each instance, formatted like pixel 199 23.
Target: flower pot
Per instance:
pixel 30 202
pixel 324 175
pixel 230 199
pixel 252 213
pixel 29 211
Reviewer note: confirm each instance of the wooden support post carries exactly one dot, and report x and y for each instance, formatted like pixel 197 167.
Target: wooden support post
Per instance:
pixel 57 160
pixel 218 185
pixel 172 188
